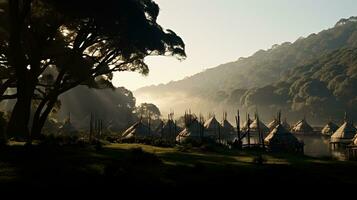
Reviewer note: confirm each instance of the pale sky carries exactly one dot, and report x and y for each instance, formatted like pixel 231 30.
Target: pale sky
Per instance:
pixel 220 31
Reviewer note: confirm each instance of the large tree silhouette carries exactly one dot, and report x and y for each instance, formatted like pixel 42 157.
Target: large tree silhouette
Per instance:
pixel 49 47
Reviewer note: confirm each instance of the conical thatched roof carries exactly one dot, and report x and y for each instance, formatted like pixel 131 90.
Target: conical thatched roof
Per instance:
pixel 245 124
pixel 345 133
pixel 281 138
pixel 329 129
pixel 254 126
pixel 302 127
pixel 138 130
pixel 212 123
pixel 192 132
pixel 212 127
pixel 228 131
pixel 227 126
pixel 169 125
pixel 273 124
pixel 168 130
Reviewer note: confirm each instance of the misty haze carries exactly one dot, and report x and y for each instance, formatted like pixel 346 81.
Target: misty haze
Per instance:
pixel 157 95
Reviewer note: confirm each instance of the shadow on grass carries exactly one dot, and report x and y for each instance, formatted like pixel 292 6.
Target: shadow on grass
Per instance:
pixel 74 167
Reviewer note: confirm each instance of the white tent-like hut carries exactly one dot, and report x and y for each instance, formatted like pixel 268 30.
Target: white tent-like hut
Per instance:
pixel 192 132
pixel 228 132
pixel 329 129
pixel 168 130
pixel 245 124
pixel 257 124
pixel 213 129
pixel 302 127
pixel 138 131
pixel 280 139
pixel 345 134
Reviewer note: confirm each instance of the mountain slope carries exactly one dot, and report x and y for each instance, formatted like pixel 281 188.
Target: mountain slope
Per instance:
pixel 224 86
pixel 324 88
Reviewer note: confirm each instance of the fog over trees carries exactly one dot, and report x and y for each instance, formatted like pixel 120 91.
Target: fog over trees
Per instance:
pixel 313 76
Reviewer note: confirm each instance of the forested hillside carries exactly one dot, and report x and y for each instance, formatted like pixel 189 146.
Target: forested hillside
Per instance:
pixel 294 77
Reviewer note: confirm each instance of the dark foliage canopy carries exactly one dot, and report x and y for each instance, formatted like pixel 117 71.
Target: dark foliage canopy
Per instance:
pixel 48 47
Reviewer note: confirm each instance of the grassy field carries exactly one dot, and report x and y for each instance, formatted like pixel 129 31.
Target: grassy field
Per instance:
pixel 128 166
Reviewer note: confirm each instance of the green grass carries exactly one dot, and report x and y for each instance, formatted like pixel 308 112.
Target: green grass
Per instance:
pixel 220 157
pixel 154 168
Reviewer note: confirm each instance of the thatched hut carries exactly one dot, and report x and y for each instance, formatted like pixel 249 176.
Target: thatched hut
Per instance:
pixel 345 134
pixel 168 130
pixel 213 128
pixel 302 127
pixel 192 132
pixel 257 130
pixel 351 150
pixel 256 125
pixel 280 139
pixel 245 124
pixel 329 129
pixel 227 127
pixel 228 131
pixel 137 131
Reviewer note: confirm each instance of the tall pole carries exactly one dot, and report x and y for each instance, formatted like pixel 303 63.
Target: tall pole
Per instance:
pixel 91 127
pixel 219 134
pixel 238 126
pixel 101 128
pixel 248 130
pixel 258 127
pixel 149 121
pixel 261 139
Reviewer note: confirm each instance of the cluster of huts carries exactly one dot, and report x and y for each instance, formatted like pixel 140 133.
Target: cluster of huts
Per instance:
pixel 277 135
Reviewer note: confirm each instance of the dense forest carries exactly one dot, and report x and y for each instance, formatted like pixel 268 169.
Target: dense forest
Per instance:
pixel 314 76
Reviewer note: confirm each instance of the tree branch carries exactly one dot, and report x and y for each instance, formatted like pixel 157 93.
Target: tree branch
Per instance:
pixel 6 85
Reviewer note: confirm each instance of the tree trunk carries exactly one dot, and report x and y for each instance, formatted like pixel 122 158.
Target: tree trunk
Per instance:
pixel 5 86
pixel 18 124
pixel 40 119
pixel 20 116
